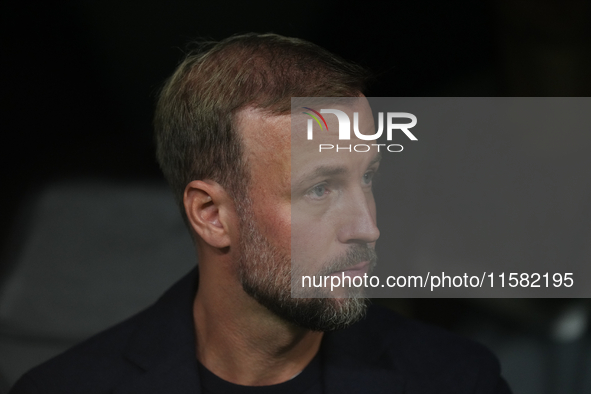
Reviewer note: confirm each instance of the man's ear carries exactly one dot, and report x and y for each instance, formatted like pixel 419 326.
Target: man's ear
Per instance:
pixel 208 207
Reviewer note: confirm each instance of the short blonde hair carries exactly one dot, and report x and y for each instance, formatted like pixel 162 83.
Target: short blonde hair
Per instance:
pixel 194 131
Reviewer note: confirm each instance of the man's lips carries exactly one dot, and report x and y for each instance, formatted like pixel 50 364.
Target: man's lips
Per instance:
pixel 356 270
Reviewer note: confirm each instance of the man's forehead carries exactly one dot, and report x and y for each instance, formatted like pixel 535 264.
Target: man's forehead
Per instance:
pixel 267 143
pixel 255 124
pixel 257 127
pixel 270 140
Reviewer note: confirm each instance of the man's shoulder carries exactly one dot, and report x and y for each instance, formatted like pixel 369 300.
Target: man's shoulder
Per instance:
pixel 428 358
pixel 413 339
pixel 158 336
pixel 94 365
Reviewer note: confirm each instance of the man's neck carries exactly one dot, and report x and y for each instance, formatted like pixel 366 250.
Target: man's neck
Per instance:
pixel 242 342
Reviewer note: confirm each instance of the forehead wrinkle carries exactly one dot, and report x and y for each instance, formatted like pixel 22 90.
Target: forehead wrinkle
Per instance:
pixel 322 171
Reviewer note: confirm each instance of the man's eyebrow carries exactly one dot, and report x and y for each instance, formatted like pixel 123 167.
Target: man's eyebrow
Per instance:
pixel 376 159
pixel 322 171
pixel 331 171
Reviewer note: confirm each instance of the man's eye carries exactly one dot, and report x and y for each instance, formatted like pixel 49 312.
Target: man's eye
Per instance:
pixel 368 177
pixel 318 191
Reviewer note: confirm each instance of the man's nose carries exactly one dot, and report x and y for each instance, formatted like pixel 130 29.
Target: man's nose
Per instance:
pixel 358 220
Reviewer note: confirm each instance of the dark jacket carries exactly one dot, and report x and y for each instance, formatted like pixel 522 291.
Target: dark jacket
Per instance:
pixel 154 352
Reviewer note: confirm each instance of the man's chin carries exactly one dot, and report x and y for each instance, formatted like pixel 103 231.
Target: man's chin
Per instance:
pixel 317 314
pixel 331 314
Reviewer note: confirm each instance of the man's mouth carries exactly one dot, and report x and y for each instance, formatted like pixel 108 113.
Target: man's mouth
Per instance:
pixel 353 271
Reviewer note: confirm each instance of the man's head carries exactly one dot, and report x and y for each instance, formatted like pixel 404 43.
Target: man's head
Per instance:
pixel 195 119
pixel 224 118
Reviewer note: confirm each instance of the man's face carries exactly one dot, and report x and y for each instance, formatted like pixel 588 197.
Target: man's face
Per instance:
pixel 307 210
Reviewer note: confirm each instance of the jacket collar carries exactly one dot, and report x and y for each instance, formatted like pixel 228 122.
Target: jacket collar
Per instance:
pixel 164 346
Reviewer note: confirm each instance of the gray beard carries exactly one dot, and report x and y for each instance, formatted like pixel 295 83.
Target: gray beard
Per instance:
pixel 265 274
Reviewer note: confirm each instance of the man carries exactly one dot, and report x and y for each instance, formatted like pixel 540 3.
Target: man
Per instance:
pixel 257 200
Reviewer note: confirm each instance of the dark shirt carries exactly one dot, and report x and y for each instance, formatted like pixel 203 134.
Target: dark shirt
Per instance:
pixel 306 382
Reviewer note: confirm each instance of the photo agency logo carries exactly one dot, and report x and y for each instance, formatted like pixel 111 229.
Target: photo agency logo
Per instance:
pixel 345 130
